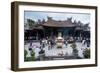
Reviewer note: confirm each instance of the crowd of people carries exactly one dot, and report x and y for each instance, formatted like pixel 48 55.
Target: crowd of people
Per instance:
pixel 52 42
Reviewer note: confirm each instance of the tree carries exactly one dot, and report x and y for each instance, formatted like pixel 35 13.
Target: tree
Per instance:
pixel 75 51
pixel 33 55
pixel 86 53
pixel 86 25
pixel 25 54
pixel 73 45
pixel 30 22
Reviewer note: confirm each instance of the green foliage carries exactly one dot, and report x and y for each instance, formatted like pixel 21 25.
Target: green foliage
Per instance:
pixel 29 59
pixel 32 53
pixel 32 58
pixel 75 51
pixel 25 54
pixel 30 22
pixel 86 53
pixel 73 45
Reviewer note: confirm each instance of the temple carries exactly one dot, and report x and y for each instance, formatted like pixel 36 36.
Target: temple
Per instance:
pixel 51 28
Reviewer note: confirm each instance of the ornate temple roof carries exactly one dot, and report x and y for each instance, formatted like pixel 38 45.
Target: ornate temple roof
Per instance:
pixel 54 23
pixel 59 23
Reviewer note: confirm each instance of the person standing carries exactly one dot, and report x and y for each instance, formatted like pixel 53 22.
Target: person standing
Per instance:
pixel 49 45
pixel 30 46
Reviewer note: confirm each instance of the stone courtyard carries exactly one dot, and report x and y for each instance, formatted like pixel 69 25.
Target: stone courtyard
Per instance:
pixel 66 50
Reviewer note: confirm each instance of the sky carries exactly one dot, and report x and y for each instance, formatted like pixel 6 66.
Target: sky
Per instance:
pixel 35 15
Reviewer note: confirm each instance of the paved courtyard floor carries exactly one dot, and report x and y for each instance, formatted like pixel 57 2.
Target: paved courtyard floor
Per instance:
pixel 66 50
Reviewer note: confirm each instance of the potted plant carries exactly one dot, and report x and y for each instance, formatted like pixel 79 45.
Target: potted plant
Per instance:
pixel 75 51
pixel 33 55
pixel 86 53
pixel 25 54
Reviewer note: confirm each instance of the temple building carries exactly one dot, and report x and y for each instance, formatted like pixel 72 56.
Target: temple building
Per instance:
pixel 51 28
